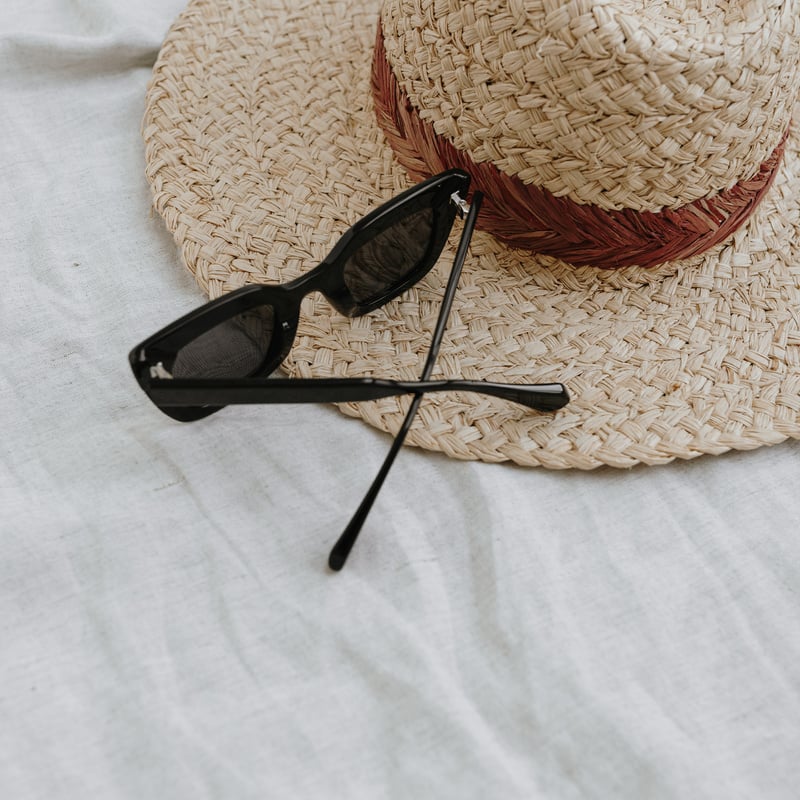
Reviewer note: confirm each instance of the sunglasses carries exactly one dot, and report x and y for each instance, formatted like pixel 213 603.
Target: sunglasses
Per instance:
pixel 225 352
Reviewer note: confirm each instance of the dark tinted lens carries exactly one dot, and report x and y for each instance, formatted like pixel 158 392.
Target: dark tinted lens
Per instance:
pixel 235 348
pixel 387 259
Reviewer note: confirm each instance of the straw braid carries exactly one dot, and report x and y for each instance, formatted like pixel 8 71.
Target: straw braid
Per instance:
pixel 622 105
pixel 526 216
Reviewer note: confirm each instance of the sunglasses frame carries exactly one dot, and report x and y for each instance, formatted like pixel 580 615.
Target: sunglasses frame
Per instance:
pixel 151 360
pixel 179 397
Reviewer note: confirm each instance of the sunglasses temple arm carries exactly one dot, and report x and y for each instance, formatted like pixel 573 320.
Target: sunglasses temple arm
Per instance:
pixel 341 550
pixel 178 392
pixel 452 286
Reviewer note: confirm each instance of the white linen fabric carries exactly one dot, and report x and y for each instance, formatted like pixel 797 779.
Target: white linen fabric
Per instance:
pixel 168 627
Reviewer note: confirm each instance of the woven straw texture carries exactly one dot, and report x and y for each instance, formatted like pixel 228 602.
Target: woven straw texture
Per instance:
pixel 694 95
pixel 532 217
pixel 262 148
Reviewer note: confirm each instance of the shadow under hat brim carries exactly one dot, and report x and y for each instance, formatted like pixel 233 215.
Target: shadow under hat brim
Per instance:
pixel 262 148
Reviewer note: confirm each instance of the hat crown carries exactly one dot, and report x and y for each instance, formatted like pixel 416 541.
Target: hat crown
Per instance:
pixel 621 104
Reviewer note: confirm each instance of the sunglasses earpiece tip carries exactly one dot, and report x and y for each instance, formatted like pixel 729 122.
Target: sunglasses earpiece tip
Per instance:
pixel 336 560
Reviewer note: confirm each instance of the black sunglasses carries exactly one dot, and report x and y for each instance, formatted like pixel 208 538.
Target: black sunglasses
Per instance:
pixel 224 352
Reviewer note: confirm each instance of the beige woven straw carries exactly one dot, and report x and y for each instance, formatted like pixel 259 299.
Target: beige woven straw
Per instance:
pixel 663 102
pixel 263 146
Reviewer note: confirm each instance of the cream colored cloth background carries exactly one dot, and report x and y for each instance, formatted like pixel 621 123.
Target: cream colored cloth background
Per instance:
pixel 168 628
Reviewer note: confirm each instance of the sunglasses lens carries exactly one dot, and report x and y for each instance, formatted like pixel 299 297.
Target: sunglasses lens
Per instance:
pixel 234 348
pixel 387 259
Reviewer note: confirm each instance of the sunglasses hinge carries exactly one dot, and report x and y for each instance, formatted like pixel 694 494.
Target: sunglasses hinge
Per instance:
pixel 160 371
pixel 460 203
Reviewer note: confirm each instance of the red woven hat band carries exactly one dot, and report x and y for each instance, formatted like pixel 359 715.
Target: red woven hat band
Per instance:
pixel 531 217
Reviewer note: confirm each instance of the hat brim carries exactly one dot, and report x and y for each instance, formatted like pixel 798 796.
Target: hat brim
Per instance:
pixel 262 148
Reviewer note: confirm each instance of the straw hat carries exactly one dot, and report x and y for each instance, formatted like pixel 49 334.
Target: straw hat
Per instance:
pixel 654 138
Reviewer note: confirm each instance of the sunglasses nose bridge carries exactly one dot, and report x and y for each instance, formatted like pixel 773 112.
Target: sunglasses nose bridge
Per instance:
pixel 330 283
pixel 327 280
